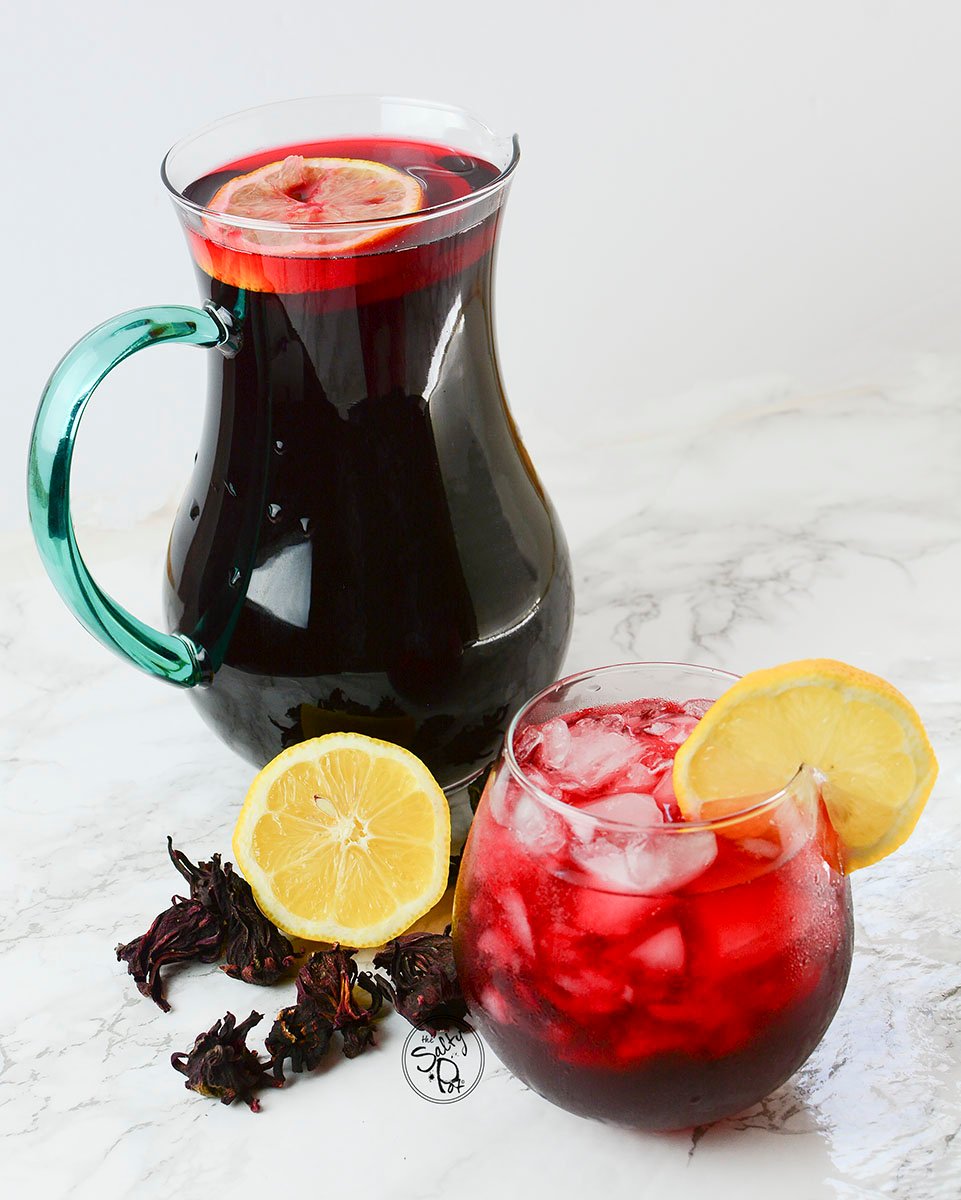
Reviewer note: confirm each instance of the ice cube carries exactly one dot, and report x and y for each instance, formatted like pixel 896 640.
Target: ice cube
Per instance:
pixel 639 778
pixel 494 1004
pixel 517 920
pixel 605 861
pixel 664 791
pixel 794 824
pixel 610 915
pixel 535 825
pixel 594 992
pixel 678 729
pixel 662 863
pixel 629 808
pixel 761 847
pixel 600 748
pixel 655 753
pixel 584 981
pixel 492 943
pixel 554 745
pixel 662 952
pixel 783 835
pixel 539 779
pixel 697 708
pixel 640 713
pixel 499 797
pixel 647 864
pixel 526 743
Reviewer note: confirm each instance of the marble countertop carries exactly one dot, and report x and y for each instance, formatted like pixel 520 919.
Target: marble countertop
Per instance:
pixel 739 526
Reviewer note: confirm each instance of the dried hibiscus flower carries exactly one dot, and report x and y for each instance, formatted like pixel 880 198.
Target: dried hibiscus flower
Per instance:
pixel 222 1066
pixel 220 918
pixel 327 980
pixel 300 1033
pixel 422 979
pixel 185 932
pixel 256 950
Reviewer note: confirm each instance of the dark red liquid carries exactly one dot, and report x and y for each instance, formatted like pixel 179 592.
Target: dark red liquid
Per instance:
pixel 362 277
pixel 364 544
pixel 618 994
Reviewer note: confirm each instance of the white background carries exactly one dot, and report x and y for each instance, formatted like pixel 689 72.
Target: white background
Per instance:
pixel 708 191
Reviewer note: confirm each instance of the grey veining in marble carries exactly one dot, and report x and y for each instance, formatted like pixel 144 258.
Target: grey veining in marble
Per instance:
pixel 740 526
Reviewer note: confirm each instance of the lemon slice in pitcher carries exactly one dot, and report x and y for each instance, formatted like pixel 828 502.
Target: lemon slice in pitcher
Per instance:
pixel 315 192
pixel 344 838
pixel 861 734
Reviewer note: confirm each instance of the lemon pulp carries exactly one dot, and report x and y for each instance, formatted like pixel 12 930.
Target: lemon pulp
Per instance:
pixel 344 838
pixel 861 734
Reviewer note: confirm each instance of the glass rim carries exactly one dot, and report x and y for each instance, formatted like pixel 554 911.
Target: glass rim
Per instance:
pixel 404 220
pixel 567 810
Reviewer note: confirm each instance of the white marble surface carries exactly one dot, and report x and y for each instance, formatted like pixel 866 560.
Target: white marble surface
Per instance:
pixel 741 526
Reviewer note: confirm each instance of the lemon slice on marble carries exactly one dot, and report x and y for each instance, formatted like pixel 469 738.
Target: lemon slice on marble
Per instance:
pixel 344 838
pixel 861 734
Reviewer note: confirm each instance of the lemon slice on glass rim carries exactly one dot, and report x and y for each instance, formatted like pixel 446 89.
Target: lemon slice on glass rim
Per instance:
pixel 865 740
pixel 344 838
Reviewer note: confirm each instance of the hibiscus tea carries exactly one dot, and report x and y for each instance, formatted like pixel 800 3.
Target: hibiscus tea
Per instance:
pixel 401 572
pixel 626 964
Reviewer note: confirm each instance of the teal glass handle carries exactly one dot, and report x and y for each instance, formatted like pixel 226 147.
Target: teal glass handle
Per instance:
pixel 171 656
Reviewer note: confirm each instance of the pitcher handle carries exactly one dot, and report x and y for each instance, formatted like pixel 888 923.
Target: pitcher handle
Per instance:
pixel 171 656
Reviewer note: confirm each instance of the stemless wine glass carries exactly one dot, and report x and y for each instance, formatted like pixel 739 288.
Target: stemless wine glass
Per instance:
pixel 625 963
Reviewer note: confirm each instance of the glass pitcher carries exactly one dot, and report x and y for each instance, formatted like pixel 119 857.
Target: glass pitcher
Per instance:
pixel 363 544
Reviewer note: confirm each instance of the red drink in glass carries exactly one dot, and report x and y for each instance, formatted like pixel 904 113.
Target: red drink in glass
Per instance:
pixel 626 964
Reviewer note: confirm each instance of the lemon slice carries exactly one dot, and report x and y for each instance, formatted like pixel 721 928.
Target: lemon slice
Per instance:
pixel 344 838
pixel 314 192
pixel 858 731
